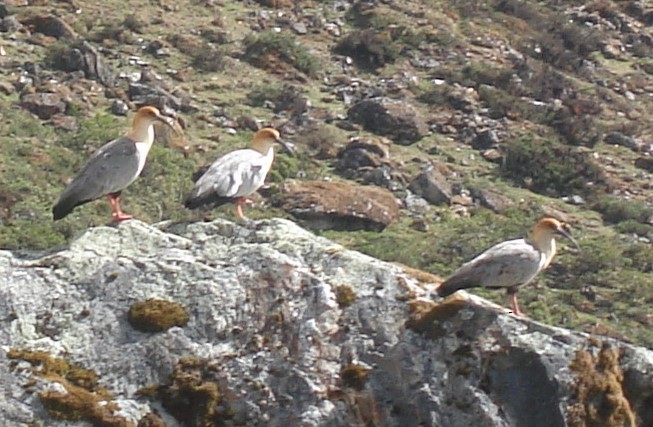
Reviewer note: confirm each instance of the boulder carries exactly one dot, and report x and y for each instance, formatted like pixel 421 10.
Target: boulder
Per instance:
pixel 396 119
pixel 43 104
pixel 432 185
pixel 285 328
pixel 339 205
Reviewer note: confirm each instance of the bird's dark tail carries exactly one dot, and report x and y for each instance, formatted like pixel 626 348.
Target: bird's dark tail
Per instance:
pixel 62 209
pixel 452 285
pixel 213 200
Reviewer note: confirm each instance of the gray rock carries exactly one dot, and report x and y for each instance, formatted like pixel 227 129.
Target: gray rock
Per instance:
pixel 645 163
pixel 119 107
pixel 266 310
pixel 432 185
pixel 396 119
pixel 618 138
pixel 44 105
pixel 299 28
pixel 492 199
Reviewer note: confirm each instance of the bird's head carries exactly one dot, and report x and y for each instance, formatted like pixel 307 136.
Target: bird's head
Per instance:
pixel 265 138
pixel 551 226
pixel 148 115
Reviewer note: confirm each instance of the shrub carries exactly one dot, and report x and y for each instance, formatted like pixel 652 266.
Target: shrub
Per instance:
pixel 617 210
pixel 260 47
pixel 551 167
pixel 369 48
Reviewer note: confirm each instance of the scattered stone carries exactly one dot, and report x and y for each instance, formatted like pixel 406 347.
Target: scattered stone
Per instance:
pixel 492 199
pixel 6 88
pixel 10 24
pixel 618 138
pixel 339 205
pixel 364 152
pixel 82 56
pixel 645 163
pixel 119 107
pixel 61 121
pixel 420 225
pixel 396 119
pixel 492 155
pixel 416 204
pixel 50 25
pixel 148 94
pixel 432 185
pixel 44 105
pixel 485 139
pixel 299 28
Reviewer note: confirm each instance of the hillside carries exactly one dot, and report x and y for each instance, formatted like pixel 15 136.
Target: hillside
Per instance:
pixel 477 117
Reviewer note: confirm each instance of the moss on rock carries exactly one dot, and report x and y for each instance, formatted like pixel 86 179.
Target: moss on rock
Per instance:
pixel 345 296
pixel 83 400
pixel 156 315
pixel 354 376
pixel 598 392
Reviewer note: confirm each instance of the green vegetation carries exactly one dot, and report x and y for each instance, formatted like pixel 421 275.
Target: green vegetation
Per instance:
pixel 548 167
pixel 262 49
pixel 354 376
pixel 192 394
pixel 84 399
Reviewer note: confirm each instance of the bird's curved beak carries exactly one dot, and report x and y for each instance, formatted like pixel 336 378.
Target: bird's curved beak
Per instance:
pixel 289 147
pixel 170 122
pixel 561 231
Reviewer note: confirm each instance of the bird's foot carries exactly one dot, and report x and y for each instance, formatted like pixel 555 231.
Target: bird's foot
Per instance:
pixel 120 216
pixel 246 201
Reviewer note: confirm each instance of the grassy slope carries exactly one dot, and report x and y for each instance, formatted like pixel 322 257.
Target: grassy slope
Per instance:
pixel 607 288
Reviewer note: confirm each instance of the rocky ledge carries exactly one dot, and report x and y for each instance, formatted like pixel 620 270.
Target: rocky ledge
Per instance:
pixel 266 324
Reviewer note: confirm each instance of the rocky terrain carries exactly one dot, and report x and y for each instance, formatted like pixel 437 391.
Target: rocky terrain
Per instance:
pixel 427 130
pixel 218 324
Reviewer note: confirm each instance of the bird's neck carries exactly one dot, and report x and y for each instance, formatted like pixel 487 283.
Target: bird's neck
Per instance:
pixel 544 242
pixel 266 149
pixel 142 131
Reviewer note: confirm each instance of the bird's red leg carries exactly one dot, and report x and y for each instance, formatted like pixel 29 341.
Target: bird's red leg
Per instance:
pixel 239 208
pixel 515 306
pixel 116 213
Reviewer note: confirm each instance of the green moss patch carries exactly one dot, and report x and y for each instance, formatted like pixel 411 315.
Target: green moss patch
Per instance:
pixel 354 376
pixel 84 399
pixel 345 296
pixel 156 315
pixel 427 317
pixel 598 392
pixel 193 394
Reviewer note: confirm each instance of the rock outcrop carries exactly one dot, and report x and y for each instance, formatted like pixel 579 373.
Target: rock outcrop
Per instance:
pixel 276 326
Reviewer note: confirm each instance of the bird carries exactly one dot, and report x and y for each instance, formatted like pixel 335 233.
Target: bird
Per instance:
pixel 237 174
pixel 510 264
pixel 113 167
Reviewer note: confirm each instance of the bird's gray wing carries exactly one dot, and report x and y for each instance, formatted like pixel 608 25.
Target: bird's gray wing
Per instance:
pixel 227 175
pixel 109 170
pixel 506 264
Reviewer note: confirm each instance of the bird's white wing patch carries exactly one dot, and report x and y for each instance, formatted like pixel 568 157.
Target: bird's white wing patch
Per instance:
pixel 506 264
pixel 232 175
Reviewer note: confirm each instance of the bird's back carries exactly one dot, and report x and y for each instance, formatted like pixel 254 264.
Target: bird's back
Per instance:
pixel 109 170
pixel 507 264
pixel 236 174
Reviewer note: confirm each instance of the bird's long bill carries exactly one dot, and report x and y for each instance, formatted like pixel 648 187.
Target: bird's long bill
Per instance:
pixel 171 123
pixel 564 233
pixel 289 147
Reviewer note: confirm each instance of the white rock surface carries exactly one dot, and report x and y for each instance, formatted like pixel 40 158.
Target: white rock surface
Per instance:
pixel 263 310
